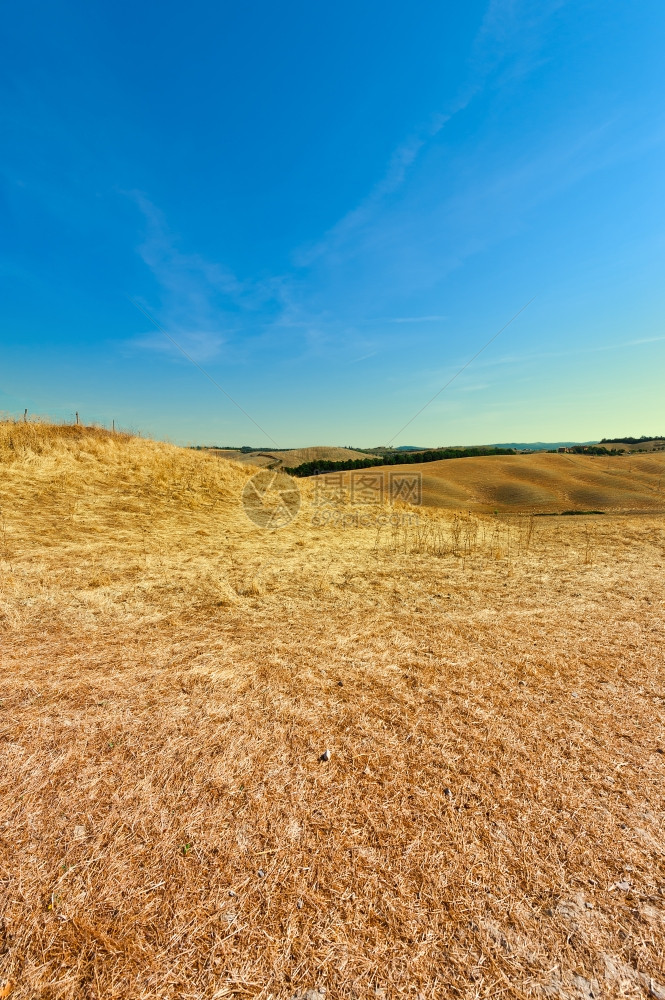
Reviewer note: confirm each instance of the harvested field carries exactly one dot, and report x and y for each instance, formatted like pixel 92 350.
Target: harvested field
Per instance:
pixel 541 483
pixel 492 691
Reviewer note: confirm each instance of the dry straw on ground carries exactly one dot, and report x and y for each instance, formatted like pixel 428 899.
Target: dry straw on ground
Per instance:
pixel 489 823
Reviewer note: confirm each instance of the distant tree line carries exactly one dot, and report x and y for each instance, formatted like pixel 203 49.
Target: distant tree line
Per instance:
pixel 246 449
pixel 397 458
pixel 632 440
pixel 594 449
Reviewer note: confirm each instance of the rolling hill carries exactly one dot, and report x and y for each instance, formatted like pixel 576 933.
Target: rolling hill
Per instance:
pixel 542 483
pixel 295 456
pixel 636 445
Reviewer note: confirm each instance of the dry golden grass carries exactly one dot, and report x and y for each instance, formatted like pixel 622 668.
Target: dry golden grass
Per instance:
pixel 490 822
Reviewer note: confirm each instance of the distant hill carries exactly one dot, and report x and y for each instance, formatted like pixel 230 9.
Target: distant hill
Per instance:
pixel 514 445
pixel 543 483
pixel 275 459
pixel 541 445
pixel 632 444
pixel 633 440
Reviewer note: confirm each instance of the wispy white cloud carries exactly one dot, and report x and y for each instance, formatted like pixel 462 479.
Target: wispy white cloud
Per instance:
pixel 509 39
pixel 475 387
pixel 511 36
pixel 641 340
pixel 198 297
pixel 399 241
pixel 526 357
pixel 179 274
pixel 363 357
pixel 431 379
pixel 414 319
pixel 201 345
pixel 396 172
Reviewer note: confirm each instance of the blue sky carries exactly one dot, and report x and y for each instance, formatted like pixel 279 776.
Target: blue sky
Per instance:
pixel 331 208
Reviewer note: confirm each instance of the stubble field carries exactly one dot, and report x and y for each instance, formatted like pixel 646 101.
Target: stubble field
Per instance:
pixel 545 483
pixel 491 688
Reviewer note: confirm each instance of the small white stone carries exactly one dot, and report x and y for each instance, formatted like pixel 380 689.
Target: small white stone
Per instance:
pixel 326 755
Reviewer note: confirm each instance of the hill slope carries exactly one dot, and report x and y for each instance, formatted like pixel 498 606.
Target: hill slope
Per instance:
pixel 296 456
pixel 541 483
pixel 492 691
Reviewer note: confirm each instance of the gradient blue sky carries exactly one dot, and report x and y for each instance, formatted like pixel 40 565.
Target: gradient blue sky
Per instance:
pixel 332 207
